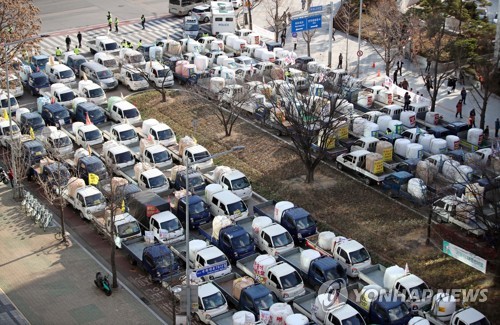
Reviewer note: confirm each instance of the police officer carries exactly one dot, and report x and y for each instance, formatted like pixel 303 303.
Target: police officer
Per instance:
pixel 116 24
pixel 68 43
pixel 123 44
pixel 58 51
pixel 288 74
pixel 139 44
pixel 76 50
pixel 79 37
pixel 129 45
pixel 110 23
pixel 143 21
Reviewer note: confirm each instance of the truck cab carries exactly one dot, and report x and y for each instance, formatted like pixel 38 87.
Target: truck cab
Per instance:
pixel 211 302
pixel 157 155
pixel 190 27
pixel 102 44
pixel 15 83
pixel 413 134
pixel 131 78
pixel 36 82
pixel 128 56
pixel 55 115
pixel 119 157
pixel 160 74
pixel 284 281
pixel 233 180
pixel 39 62
pixel 4 102
pixel 160 132
pixel 33 151
pixel 57 142
pixel 199 212
pixel 61 73
pixel 107 60
pixel 196 153
pixel 92 92
pixel 122 111
pixel 225 202
pixel 274 239
pixel 91 165
pixel 351 255
pixel 196 181
pixel 91 111
pixel 55 175
pixel 123 134
pixel 74 61
pixel 5 137
pixel 394 111
pixel 32 120
pixel 63 94
pixel 89 200
pixel 365 143
pixel 87 135
pixel 211 255
pixel 166 227
pixel 154 180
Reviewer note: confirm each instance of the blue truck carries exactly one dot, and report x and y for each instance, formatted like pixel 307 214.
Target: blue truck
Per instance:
pixel 156 259
pixel 95 113
pixel 197 183
pixel 199 212
pixel 320 270
pixel 90 165
pixel 55 175
pixel 32 120
pixel 396 185
pixel 296 220
pixel 55 115
pixel 37 82
pixel 38 62
pixel 253 298
pixel 234 241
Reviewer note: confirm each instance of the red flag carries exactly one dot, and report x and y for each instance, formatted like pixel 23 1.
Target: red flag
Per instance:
pixel 150 137
pixel 87 119
pixel 407 269
pixel 53 100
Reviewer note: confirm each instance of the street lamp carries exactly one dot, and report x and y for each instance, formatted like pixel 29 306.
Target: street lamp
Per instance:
pixel 233 149
pixel 5 46
pixel 359 35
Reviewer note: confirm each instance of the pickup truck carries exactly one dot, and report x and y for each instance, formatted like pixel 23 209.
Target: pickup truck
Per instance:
pixel 5 137
pixel 160 132
pixel 85 111
pixel 32 151
pixel 86 200
pixel 356 162
pixel 396 185
pixel 122 133
pixel 38 62
pixel 269 117
pixel 280 278
pixel 348 252
pixel 92 92
pixel 232 180
pixel 194 153
pixel 131 78
pixel 52 174
pixel 31 121
pixel 268 236
pixel 232 240
pixel 108 60
pixel 253 298
pixel 340 313
pixel 202 255
pixel 74 61
pixel 61 93
pixel 156 259
pixel 134 58
pixel 224 202
pixel 102 44
pixel 296 220
pixel 57 142
pixel 60 73
pixel 126 227
pixel 84 135
pixel 159 74
pixel 117 156
pixel 37 82
pixel 196 181
pixel 211 303
pixel 165 226
pixel 88 164
pixel 199 212
pixel 452 209
pixel 122 111
pixel 156 155
pixel 318 270
pixel 398 279
pixel 15 83
pixel 55 115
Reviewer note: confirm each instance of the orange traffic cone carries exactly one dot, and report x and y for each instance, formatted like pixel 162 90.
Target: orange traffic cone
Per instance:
pixel 378 73
pixel 373 64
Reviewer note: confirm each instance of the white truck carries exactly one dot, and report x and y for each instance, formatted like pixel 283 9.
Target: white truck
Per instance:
pixel 107 60
pixel 452 209
pixel 401 280
pixel 223 202
pixel 211 303
pixel 348 252
pixel 155 155
pixel 153 180
pixel 122 111
pixel 202 255
pixel 232 180
pixel 126 226
pixel 116 155
pixel 102 44
pixel 57 142
pixel 128 56
pixel 15 84
pixel 92 92
pixel 160 74
pixel 356 161
pixel 121 133
pixel 161 133
pixel 60 73
pixel 279 277
pixel 269 237
pixel 166 228
pixel 131 78
pixel 86 200
pixel 63 94
pixel 187 149
pixel 5 137
pixel 84 135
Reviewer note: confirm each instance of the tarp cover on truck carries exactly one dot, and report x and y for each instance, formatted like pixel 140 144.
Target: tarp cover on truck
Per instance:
pixel 143 205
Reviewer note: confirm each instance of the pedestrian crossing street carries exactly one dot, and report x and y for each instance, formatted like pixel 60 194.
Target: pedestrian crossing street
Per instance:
pixel 158 28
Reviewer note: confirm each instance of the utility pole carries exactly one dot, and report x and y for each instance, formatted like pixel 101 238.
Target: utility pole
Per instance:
pixel 330 36
pixel 359 35
pixel 497 37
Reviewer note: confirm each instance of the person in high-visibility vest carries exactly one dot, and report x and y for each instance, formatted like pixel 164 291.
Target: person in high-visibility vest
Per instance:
pixel 143 22
pixel 110 23
pixel 139 44
pixel 76 50
pixel 123 44
pixel 116 24
pixel 58 51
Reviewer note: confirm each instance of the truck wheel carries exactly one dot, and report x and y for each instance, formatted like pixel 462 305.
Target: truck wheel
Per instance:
pixel 150 278
pixel 131 260
pixel 390 194
pixel 206 20
pixel 197 318
pixel 82 216
pixel 339 166
pixel 368 181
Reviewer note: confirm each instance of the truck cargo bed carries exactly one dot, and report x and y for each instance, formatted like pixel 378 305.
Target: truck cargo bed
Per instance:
pixel 312 242
pixel 292 257
pixel 303 305
pixel 223 319
pixel 265 209
pixel 246 224
pixel 179 249
pixel 225 284
pixel 373 275
pixel 246 264
pixel 128 173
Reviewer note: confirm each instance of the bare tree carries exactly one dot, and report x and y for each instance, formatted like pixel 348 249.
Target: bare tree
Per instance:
pixel 157 78
pixel 308 36
pixel 249 6
pixel 18 20
pixel 15 159
pixel 277 16
pixel 387 31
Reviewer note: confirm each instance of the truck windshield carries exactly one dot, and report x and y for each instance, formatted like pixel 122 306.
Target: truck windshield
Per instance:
pixel 36 122
pixel 41 62
pixel 304 223
pixel 66 97
pixel 157 181
pixel 482 321
pixel 130 113
pixel 128 229
pixel 137 77
pixel 135 58
pixel 62 142
pixel 335 273
pixel 38 151
pixel 354 320
pixel 128 134
pixel 164 261
pixel 111 46
pixel 77 63
pixel 123 157
pixel 214 301
pixel 61 176
pixel 66 74
pixel 40 81
pixel 163 73
pixel 242 241
pixel 359 256
pixel 95 167
pixel 240 183
pixel 161 156
pixel 195 180
pixel 62 114
pixel 283 239
pixel 191 27
pixel 94 93
pixel 233 208
pixel 201 155
pixel 6 130
pixel 398 312
pixel 104 74
pixel 165 134
pixel 94 200
pixel 197 207
pixel 218 259
pixel 96 114
pixel 171 225
pixel 265 302
pixel 419 291
pixel 92 135
pixel 109 63
pixel 13 102
pixel 290 280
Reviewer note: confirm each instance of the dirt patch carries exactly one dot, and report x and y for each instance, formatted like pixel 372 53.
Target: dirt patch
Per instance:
pixel 391 232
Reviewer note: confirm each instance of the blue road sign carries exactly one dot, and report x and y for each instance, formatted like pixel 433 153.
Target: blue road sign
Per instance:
pixel 211 269
pixel 316 9
pixel 306 23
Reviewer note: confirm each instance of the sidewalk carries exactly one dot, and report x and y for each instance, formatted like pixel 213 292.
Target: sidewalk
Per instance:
pixel 51 283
